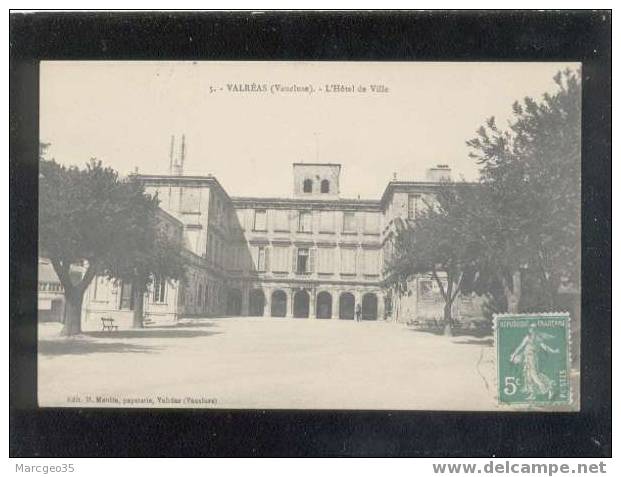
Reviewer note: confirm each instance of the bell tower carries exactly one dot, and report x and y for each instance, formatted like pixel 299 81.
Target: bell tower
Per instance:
pixel 316 180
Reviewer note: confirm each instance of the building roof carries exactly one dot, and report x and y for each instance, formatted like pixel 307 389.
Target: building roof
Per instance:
pixel 331 164
pixel 165 179
pixel 419 186
pixel 46 272
pixel 283 202
pixel 332 204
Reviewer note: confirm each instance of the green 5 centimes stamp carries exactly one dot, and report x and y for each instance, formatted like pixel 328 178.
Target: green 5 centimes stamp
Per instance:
pixel 533 353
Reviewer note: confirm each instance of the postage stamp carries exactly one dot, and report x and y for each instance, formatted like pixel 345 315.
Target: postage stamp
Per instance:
pixel 533 353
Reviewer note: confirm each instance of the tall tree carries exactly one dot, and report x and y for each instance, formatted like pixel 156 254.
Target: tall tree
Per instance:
pixel 503 248
pixel 439 242
pixel 531 178
pixel 163 258
pixel 92 218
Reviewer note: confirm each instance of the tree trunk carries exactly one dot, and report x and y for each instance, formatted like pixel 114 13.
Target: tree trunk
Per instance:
pixel 72 321
pixel 448 297
pixel 448 319
pixel 74 294
pixel 138 299
pixel 514 293
pixel 550 281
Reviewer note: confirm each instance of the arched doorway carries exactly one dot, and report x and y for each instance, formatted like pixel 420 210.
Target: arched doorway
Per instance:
pixel 324 305
pixel 301 302
pixel 256 302
pixel 369 306
pixel 233 303
pixel 346 306
pixel 279 303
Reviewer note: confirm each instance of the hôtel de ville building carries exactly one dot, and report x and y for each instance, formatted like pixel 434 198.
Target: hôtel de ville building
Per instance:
pixel 313 255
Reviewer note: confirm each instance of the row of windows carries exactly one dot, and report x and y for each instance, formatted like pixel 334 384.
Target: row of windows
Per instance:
pixel 304 221
pixel 322 260
pixel 50 287
pixel 100 288
pixel 190 199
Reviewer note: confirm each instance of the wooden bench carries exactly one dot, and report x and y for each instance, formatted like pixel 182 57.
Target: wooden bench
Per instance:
pixel 107 324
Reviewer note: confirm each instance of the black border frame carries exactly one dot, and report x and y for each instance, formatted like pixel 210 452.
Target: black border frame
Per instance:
pixel 328 36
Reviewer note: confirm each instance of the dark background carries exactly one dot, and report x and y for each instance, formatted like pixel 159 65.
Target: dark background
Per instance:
pixel 379 36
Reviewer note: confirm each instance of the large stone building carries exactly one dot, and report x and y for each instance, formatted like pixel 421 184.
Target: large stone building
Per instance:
pixel 114 299
pixel 313 255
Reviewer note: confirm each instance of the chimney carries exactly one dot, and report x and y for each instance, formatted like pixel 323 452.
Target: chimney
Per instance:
pixel 440 173
pixel 177 160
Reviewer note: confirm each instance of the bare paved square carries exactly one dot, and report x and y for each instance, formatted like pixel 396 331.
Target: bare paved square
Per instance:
pixel 268 363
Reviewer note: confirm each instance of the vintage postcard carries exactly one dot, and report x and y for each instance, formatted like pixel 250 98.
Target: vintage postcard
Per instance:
pixel 310 235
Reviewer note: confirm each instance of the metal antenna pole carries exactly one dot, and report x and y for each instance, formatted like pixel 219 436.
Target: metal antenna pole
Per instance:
pixel 182 154
pixel 172 152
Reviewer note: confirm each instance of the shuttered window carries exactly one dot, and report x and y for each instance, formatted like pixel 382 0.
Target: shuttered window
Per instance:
pixel 371 223
pixel 304 221
pixel 262 258
pixel 325 260
pixel 281 220
pixel 159 289
pixel 260 220
pixel 126 301
pixel 304 260
pixel 348 261
pixel 326 221
pixel 280 258
pixel 349 222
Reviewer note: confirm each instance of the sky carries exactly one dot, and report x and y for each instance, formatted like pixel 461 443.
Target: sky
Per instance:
pixel 124 114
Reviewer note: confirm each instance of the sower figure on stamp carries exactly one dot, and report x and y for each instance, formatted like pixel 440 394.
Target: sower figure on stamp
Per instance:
pixel 527 354
pixel 358 312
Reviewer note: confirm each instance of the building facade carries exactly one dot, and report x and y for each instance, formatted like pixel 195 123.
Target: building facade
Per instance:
pixel 115 298
pixel 313 255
